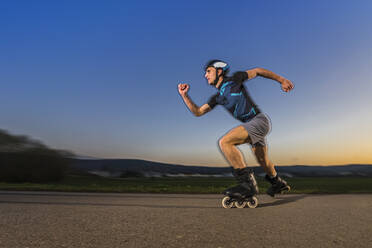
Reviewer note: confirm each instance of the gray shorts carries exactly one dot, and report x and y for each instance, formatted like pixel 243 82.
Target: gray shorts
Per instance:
pixel 258 128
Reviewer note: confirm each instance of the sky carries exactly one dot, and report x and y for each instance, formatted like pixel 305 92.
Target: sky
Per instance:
pixel 99 78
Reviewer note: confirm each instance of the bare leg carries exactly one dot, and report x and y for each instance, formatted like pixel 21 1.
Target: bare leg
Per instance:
pixel 262 158
pixel 228 143
pixel 278 185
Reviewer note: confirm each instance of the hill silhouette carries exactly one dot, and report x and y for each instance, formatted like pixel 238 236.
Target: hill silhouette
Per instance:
pixel 149 168
pixel 25 160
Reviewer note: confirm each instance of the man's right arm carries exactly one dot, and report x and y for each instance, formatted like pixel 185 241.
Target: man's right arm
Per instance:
pixel 196 110
pixel 285 83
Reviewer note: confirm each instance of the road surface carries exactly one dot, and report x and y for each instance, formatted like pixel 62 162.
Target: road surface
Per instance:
pixel 50 219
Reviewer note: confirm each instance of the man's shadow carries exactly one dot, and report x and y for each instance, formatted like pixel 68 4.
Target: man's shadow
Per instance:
pixel 282 200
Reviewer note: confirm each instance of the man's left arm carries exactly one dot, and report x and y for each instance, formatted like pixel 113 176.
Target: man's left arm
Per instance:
pixel 285 83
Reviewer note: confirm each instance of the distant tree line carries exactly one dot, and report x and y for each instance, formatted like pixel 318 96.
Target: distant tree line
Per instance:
pixel 131 173
pixel 26 160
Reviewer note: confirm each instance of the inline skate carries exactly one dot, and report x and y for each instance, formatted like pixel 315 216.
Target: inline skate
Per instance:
pixel 278 185
pixel 243 194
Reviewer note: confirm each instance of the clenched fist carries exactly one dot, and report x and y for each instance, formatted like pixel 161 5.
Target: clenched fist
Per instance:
pixel 286 85
pixel 183 89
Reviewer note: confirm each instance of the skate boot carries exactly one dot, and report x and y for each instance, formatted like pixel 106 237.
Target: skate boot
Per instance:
pixel 278 185
pixel 243 194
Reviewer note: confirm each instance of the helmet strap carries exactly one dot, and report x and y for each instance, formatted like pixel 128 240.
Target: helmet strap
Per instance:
pixel 217 77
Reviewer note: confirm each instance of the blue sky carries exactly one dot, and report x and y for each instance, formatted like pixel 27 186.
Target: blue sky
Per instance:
pixel 99 78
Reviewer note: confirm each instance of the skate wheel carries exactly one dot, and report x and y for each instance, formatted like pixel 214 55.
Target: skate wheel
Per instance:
pixel 252 202
pixel 227 202
pixel 286 189
pixel 240 204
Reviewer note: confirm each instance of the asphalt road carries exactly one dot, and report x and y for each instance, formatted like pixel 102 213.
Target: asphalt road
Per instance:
pixel 37 219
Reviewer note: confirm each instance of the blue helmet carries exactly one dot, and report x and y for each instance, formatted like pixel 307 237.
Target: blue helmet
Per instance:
pixel 218 64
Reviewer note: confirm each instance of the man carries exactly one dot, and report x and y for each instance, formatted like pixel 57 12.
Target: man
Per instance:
pixel 255 124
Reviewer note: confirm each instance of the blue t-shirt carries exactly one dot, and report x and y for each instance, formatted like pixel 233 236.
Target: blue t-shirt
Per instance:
pixel 235 98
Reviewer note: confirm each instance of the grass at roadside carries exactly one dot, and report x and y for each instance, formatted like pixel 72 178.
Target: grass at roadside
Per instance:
pixel 209 185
